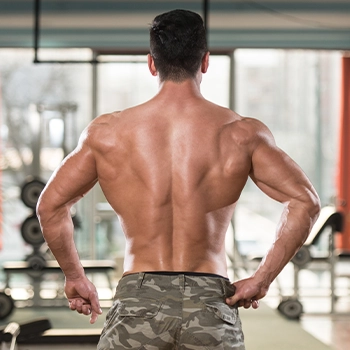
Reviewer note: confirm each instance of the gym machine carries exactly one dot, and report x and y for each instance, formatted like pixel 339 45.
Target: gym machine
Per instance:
pixel 329 223
pixel 309 256
pixel 39 263
pixel 38 334
pixel 13 333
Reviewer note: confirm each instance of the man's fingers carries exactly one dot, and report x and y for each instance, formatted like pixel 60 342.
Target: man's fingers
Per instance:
pixel 96 305
pixel 72 304
pixel 94 316
pixel 246 303
pixel 80 305
pixel 232 300
pixel 86 308
pixel 255 304
pixel 96 311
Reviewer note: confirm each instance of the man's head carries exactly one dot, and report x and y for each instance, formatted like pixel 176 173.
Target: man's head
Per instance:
pixel 178 44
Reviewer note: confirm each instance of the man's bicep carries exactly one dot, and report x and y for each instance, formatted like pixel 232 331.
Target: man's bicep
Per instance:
pixel 277 175
pixel 75 176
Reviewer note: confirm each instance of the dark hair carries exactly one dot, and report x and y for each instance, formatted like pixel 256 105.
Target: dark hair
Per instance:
pixel 178 44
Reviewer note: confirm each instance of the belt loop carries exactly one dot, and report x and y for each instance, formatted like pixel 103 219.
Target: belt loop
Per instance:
pixel 140 280
pixel 223 287
pixel 229 288
pixel 182 282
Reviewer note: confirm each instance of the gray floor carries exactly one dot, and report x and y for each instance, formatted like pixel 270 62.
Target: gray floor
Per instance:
pixel 331 328
pixel 266 329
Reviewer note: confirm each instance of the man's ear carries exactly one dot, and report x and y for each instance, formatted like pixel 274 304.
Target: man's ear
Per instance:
pixel 205 62
pixel 151 65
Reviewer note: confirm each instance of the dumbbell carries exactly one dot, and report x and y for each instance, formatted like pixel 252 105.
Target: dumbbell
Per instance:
pixel 30 191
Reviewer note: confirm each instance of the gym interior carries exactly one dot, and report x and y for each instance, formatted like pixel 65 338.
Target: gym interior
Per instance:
pixel 285 62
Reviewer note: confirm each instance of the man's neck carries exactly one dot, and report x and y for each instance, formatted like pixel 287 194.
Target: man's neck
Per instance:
pixel 187 88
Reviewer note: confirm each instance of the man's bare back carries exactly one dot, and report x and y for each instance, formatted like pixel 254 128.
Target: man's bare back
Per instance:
pixel 173 169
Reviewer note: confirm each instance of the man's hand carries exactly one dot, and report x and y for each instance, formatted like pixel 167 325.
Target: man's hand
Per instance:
pixel 248 292
pixel 82 297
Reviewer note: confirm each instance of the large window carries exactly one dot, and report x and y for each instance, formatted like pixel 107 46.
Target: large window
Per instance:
pixel 43 110
pixel 45 107
pixel 296 94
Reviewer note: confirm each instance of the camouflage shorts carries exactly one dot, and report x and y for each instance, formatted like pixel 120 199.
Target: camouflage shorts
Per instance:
pixel 182 311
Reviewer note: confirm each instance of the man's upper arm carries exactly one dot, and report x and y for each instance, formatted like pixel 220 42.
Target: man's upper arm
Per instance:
pixel 276 174
pixel 73 178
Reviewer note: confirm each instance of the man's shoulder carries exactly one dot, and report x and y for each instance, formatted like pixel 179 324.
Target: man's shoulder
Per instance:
pixel 248 132
pixel 99 128
pixel 106 118
pixel 251 124
pixel 247 125
pixel 103 122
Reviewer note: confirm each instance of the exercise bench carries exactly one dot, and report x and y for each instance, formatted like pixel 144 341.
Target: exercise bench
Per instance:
pixel 38 334
pixel 329 219
pixel 105 267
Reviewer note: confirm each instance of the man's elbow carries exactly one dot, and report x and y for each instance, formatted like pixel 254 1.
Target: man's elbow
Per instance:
pixel 41 208
pixel 314 206
pixel 44 208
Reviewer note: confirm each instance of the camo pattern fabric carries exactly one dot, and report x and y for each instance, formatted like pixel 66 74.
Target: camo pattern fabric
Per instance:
pixel 182 311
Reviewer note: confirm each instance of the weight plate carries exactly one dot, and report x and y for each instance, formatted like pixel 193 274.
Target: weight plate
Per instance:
pixel 30 192
pixel 36 262
pixel 302 257
pixel 291 308
pixel 31 231
pixel 6 305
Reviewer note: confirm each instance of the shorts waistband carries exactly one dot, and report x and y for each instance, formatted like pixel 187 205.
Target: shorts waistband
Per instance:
pixel 177 279
pixel 186 273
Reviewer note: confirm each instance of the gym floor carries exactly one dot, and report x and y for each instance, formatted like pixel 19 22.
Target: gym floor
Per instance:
pixel 331 328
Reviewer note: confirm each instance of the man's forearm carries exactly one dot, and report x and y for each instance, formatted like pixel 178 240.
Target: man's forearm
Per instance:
pixel 292 231
pixel 57 228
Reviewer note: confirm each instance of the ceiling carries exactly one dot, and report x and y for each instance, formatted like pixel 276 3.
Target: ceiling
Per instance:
pixel 123 25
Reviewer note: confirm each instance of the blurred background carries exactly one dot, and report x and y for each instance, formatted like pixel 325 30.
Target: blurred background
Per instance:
pixel 62 63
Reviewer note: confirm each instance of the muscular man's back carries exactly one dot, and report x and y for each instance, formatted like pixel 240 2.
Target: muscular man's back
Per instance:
pixel 173 169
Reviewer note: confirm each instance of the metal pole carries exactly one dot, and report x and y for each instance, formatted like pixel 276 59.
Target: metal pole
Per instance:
pixel 205 16
pixel 36 29
pixel 232 82
pixel 319 136
pixel 92 195
pixel 94 91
